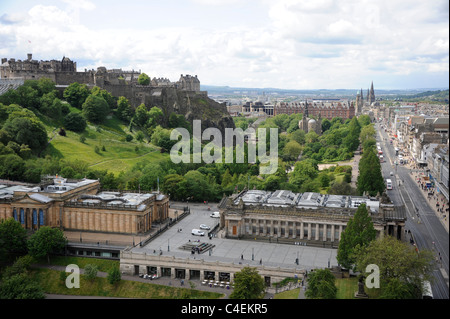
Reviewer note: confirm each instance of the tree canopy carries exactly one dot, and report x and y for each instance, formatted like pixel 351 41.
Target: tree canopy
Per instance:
pixel 248 284
pixel 359 232
pixel 321 285
pixel 95 109
pixel 143 79
pixel 45 241
pixel 403 269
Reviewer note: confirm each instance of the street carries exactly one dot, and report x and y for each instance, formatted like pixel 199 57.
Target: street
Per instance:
pixel 429 229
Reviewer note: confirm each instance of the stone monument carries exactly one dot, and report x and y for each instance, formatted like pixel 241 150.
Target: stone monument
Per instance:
pixel 361 294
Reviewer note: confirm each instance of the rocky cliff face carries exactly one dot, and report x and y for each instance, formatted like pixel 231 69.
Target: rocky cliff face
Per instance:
pixel 194 106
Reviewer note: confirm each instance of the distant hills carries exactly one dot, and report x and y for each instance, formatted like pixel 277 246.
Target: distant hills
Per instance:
pixel 341 93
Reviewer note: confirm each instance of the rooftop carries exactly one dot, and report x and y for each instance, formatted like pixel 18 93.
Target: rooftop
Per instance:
pixel 286 198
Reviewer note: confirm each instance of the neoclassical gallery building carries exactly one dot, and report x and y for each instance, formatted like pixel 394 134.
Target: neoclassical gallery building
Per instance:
pixel 308 218
pixel 81 205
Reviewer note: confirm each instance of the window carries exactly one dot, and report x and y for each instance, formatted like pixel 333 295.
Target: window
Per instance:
pixel 41 217
pixel 22 216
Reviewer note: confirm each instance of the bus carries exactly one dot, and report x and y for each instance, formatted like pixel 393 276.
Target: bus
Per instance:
pixel 426 292
pixel 388 184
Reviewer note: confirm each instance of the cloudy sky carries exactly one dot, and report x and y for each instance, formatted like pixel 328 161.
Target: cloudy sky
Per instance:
pixel 290 44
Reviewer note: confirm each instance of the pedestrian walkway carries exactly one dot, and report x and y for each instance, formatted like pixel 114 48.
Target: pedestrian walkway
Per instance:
pixel 437 201
pixel 301 294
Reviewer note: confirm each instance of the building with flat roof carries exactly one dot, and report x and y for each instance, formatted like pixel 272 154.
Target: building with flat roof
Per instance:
pixel 313 218
pixel 80 205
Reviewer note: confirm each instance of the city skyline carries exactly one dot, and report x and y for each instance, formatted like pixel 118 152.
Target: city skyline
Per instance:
pixel 284 44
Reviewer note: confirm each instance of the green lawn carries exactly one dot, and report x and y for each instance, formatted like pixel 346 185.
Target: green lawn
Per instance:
pixel 51 283
pixel 289 294
pixel 119 155
pixel 346 288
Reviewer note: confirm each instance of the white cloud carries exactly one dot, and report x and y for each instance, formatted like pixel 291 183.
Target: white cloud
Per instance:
pixel 291 44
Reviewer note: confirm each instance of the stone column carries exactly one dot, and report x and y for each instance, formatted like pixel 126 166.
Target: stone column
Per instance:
pixel 294 229
pixel 309 231
pixel 317 231
pixel 158 271
pixel 325 229
pixel 332 233
pixel 340 232
pixel 301 230
pixel 172 273
pixel 187 275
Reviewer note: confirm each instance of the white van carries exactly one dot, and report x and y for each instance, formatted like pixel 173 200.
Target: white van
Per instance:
pixel 197 232
pixel 388 184
pixel 215 215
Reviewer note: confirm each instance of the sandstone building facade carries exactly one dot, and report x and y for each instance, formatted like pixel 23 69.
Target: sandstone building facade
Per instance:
pixel 326 109
pixel 80 205
pixel 311 218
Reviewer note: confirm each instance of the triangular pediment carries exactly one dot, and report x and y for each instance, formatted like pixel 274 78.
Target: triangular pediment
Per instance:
pixel 29 201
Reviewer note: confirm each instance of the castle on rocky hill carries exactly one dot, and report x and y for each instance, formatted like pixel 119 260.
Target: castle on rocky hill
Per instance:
pixel 117 81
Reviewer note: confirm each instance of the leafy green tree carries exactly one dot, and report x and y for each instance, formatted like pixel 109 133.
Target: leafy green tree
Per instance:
pixel 13 239
pixel 370 179
pixel 95 109
pixel 90 271
pixel 143 79
pixel 75 122
pixel 155 116
pixel 359 232
pixel 20 266
pixel 141 115
pixel 20 287
pixel 292 150
pixel 403 269
pixel 76 94
pixel 303 171
pixel 12 167
pixel 45 86
pixel 114 276
pixel 321 285
pixel 351 141
pixel 171 186
pixel 26 130
pixel 45 241
pixel 248 284
pixel 124 109
pixel 326 125
pixel 110 100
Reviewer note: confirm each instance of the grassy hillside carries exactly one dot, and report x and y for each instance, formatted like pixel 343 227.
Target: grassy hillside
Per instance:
pixel 113 153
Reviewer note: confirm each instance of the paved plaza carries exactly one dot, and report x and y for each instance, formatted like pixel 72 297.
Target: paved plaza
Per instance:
pixel 235 251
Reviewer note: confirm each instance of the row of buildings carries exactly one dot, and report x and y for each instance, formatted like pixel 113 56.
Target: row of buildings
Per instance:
pixel 325 108
pixel 424 134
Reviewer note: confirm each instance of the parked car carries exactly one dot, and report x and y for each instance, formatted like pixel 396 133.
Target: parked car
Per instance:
pixel 197 232
pixel 215 215
pixel 391 173
pixel 203 226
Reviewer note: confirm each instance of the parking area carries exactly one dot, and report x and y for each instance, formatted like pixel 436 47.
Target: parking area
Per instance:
pixel 253 253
